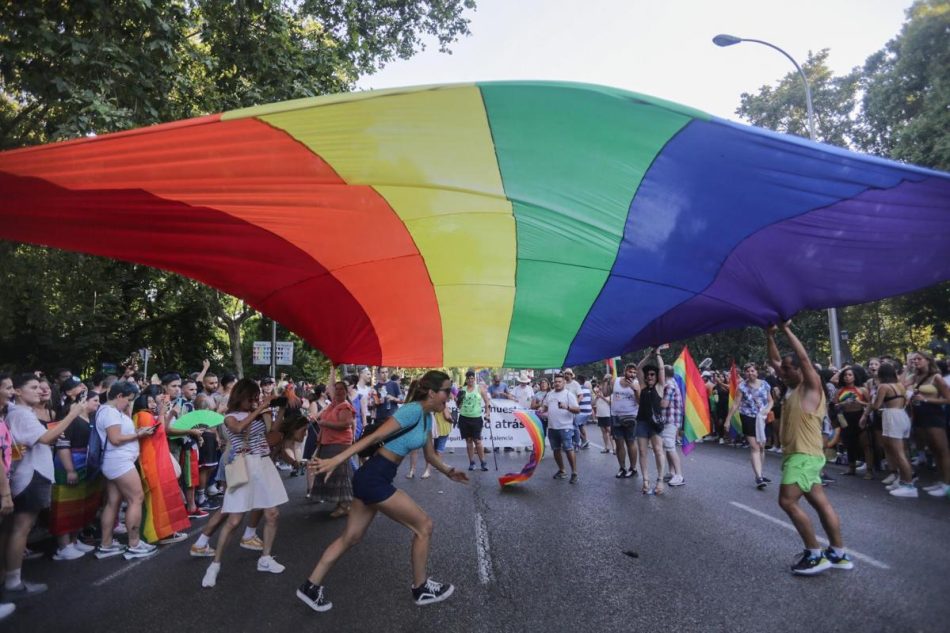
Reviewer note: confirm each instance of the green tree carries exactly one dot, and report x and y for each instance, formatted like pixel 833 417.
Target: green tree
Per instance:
pixel 70 69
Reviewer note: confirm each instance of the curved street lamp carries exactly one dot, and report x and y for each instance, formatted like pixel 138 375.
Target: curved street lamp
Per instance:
pixel 724 40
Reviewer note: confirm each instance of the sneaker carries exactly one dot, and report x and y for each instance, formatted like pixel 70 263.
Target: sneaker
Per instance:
pixel 25 590
pixel 211 575
pixel 573 478
pixel 767 480
pixel 861 469
pixel 838 562
pixel 677 480
pixel 431 592
pixel 6 610
pixel 621 473
pixel 312 596
pixel 586 444
pixel 560 475
pixel 760 483
pixel 269 564
pixel 254 543
pixel 667 477
pixel 68 553
pixel 484 467
pixel 887 481
pixel 938 491
pixel 894 485
pixel 142 550
pixel 177 537
pixel 471 465
pixel 632 472
pixel 108 551
pixel 906 490
pixel 207 505
pixel 82 547
pixel 214 491
pixel 120 529
pixel 809 565
pixel 284 467
pixel 936 486
pixel 197 513
pixel 606 450
pixel 722 440
pixel 201 552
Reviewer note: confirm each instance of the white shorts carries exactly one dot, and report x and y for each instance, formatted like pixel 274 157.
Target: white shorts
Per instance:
pixel 896 423
pixel 669 437
pixel 112 469
pixel 264 488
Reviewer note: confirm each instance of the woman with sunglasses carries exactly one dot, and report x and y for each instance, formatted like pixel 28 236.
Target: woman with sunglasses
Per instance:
pixel 410 428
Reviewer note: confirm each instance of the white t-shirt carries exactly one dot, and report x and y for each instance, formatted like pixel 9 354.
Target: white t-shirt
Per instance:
pixel 26 429
pixel 574 387
pixel 623 400
pixel 523 394
pixel 110 416
pixel 559 418
pixel 602 407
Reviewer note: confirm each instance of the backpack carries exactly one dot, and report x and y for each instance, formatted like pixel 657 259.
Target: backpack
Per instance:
pixel 369 429
pixel 95 452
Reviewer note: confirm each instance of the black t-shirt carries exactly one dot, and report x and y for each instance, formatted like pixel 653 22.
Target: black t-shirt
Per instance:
pixel 387 408
pixel 649 405
pixel 76 436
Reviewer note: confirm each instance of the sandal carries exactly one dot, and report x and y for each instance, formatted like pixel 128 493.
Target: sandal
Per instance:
pixel 659 487
pixel 339 512
pixel 646 487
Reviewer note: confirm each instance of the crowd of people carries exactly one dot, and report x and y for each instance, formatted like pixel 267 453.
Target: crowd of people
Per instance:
pixel 118 456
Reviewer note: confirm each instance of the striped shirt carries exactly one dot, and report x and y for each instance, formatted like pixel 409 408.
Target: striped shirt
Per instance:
pixel 254 438
pixel 584 401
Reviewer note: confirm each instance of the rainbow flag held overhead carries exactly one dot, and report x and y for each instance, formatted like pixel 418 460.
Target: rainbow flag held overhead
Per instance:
pixel 735 423
pixel 612 366
pixel 696 420
pixel 535 430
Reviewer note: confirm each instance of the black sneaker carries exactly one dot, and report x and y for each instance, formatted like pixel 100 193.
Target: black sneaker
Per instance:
pixel 312 596
pixel 431 592
pixel 632 472
pixel 767 480
pixel 471 465
pixel 484 467
pixel 809 564
pixel 838 562
pixel 573 478
pixel 621 473
pixel 760 483
pixel 560 475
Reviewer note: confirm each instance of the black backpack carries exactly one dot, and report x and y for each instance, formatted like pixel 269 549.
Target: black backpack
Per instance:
pixel 95 452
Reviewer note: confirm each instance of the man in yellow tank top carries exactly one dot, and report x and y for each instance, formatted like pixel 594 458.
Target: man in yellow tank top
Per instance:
pixel 802 415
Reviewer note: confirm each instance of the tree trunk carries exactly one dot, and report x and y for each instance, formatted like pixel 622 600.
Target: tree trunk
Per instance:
pixel 237 355
pixel 232 325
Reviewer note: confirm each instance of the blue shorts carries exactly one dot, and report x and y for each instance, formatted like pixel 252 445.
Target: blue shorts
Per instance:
pixel 440 443
pixel 373 482
pixel 645 429
pixel 561 439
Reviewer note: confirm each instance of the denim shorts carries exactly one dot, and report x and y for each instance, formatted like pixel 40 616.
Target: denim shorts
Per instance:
pixel 561 439
pixel 645 429
pixel 440 443
pixel 620 432
pixel 373 482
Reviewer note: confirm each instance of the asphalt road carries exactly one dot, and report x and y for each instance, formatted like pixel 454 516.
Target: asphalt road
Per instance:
pixel 713 555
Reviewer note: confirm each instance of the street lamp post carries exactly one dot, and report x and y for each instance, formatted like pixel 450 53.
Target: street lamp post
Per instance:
pixel 728 40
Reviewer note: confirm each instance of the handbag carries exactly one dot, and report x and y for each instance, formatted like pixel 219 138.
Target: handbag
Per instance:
pixel 235 471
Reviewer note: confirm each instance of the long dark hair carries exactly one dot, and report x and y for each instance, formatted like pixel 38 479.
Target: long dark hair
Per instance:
pixel 431 381
pixel 245 389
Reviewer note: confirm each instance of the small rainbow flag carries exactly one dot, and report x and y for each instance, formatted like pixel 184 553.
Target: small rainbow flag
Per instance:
pixel 612 366
pixel 536 431
pixel 735 423
pixel 696 419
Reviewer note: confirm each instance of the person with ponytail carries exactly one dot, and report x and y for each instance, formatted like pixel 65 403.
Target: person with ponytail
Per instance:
pixel 408 429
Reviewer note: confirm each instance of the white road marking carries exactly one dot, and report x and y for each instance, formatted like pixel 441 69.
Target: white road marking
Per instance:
pixel 122 571
pixel 788 526
pixel 482 550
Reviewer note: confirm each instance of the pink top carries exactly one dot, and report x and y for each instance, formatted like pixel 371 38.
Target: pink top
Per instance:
pixel 337 413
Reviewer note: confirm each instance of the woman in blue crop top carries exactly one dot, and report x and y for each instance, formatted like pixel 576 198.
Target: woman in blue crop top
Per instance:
pixel 373 490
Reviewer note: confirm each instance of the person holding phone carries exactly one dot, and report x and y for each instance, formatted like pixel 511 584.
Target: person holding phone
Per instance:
pixel 118 467
pixel 561 406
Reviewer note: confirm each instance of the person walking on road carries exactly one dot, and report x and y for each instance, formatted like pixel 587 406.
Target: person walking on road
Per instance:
pixel 803 458
pixel 754 403
pixel 561 407
pixel 471 399
pixel 624 396
pixel 409 429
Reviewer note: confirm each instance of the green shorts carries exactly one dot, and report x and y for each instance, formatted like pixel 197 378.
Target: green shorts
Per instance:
pixel 802 470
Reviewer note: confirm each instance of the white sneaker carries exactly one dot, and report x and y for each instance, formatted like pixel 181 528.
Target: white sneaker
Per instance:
pixel 6 610
pixel 120 529
pixel 142 550
pixel 213 490
pixel 936 486
pixel 211 576
pixel 268 564
pixel 68 553
pixel 863 468
pixel 939 491
pixel 82 547
pixel 908 491
pixel 677 480
pixel 887 481
pixel 894 485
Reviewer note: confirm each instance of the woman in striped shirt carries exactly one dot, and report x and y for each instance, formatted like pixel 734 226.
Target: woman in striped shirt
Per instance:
pixel 246 432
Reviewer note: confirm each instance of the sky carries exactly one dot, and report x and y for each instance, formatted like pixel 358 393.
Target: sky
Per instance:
pixel 661 48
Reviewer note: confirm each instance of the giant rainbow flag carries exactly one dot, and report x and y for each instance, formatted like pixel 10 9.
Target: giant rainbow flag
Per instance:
pixel 163 512
pixel 653 217
pixel 696 420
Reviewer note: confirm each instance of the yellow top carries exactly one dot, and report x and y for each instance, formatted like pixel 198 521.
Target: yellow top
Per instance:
pixel 801 430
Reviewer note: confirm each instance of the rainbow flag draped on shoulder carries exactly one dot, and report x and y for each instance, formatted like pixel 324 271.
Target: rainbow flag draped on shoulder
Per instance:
pixel 696 419
pixel 735 423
